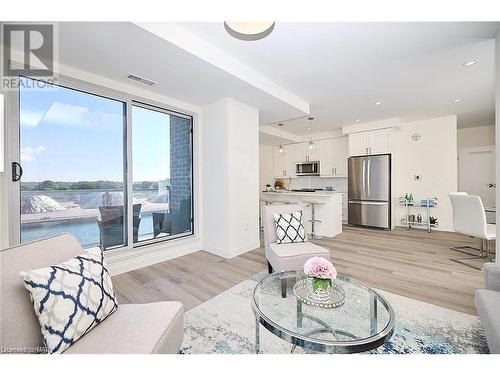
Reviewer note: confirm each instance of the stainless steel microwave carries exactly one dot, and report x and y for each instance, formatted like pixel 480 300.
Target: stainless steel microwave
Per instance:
pixel 310 168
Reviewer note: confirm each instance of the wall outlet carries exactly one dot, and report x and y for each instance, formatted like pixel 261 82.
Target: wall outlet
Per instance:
pixel 417 177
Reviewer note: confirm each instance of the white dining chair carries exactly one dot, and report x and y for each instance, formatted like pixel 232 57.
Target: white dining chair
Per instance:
pixel 469 218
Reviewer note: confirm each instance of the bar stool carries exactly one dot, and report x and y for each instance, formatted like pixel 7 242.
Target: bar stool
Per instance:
pixel 312 203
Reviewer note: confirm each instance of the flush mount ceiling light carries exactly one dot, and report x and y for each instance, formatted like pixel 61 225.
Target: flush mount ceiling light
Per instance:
pixel 357 120
pixel 378 103
pixel 249 30
pixel 457 100
pixel 470 63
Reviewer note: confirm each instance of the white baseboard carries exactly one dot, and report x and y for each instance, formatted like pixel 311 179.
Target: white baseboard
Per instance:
pixel 132 259
pixel 228 254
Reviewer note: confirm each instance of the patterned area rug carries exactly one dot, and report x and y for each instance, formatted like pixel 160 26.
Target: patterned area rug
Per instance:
pixel 226 324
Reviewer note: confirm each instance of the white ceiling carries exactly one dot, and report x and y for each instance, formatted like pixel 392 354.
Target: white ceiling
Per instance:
pixel 342 69
pixel 115 49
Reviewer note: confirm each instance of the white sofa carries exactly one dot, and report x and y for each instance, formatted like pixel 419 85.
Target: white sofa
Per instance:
pixel 136 329
pixel 488 305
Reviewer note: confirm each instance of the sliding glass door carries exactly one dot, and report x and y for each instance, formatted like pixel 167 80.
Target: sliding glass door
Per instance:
pixel 71 152
pixel 161 144
pixel 73 161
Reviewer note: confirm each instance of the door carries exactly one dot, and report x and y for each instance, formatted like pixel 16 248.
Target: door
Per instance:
pixel 372 214
pixel 358 144
pixel 356 181
pixel 476 174
pixel 326 163
pixel 377 178
pixel 379 141
pixel 340 155
pixel 279 162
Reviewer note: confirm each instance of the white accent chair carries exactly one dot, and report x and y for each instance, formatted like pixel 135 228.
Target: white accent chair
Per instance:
pixel 469 218
pixel 290 256
pixel 132 329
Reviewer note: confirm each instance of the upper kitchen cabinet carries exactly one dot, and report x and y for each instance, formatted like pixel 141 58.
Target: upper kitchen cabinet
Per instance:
pixel 279 162
pixel 370 142
pixel 285 162
pixel 340 149
pixel 333 157
pixel 292 157
pixel 306 153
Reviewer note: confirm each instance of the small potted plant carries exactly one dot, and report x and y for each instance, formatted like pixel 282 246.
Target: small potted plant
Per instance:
pixel 321 274
pixel 268 187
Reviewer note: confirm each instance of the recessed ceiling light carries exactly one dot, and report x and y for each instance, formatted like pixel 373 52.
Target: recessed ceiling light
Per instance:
pixel 457 100
pixel 357 120
pixel 249 30
pixel 378 103
pixel 470 63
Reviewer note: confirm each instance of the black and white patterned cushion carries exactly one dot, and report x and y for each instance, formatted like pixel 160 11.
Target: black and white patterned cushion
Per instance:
pixel 289 228
pixel 71 298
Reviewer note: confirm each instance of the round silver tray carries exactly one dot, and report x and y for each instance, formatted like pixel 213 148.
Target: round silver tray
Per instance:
pixel 337 295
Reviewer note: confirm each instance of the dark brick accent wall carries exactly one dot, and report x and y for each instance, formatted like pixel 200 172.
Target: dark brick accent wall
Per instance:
pixel 180 161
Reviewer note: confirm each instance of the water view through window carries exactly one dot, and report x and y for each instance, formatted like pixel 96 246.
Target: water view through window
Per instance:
pixel 72 150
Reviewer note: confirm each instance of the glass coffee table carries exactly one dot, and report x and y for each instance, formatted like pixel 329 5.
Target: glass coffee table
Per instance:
pixel 364 321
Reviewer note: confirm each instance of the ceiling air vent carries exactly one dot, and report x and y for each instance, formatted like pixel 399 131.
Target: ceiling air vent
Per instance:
pixel 142 80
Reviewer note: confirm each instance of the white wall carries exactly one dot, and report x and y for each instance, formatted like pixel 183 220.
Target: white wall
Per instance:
pixel 476 136
pixel 231 177
pixel 434 157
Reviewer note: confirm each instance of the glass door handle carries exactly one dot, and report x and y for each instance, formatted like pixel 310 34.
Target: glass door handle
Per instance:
pixel 17 171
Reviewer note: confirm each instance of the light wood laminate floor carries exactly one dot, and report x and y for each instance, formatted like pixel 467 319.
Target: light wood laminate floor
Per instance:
pixel 412 263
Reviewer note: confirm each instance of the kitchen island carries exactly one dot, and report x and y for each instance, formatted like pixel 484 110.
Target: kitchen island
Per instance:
pixel 328 210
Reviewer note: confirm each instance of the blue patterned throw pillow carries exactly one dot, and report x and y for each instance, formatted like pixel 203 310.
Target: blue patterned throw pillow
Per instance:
pixel 289 228
pixel 71 298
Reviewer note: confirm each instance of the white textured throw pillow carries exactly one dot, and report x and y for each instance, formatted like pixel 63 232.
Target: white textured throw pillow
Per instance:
pixel 71 298
pixel 289 228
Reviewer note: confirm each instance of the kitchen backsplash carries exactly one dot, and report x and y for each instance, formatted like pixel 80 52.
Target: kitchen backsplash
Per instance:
pixel 338 183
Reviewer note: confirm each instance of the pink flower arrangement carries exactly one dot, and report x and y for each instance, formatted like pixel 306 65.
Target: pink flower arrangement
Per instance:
pixel 320 268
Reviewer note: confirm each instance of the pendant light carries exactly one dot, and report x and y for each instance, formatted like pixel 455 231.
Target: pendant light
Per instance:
pixel 281 138
pixel 311 143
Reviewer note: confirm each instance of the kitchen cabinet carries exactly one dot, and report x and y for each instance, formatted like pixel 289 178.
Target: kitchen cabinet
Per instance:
pixel 306 153
pixel 279 162
pixel 340 156
pixel 370 142
pixel 344 208
pixel 291 156
pixel 333 157
pixel 284 162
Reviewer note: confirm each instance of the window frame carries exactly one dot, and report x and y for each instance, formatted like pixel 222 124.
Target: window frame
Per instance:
pixel 128 99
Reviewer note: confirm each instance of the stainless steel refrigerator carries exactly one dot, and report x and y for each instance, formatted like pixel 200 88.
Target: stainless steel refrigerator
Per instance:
pixel 369 191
